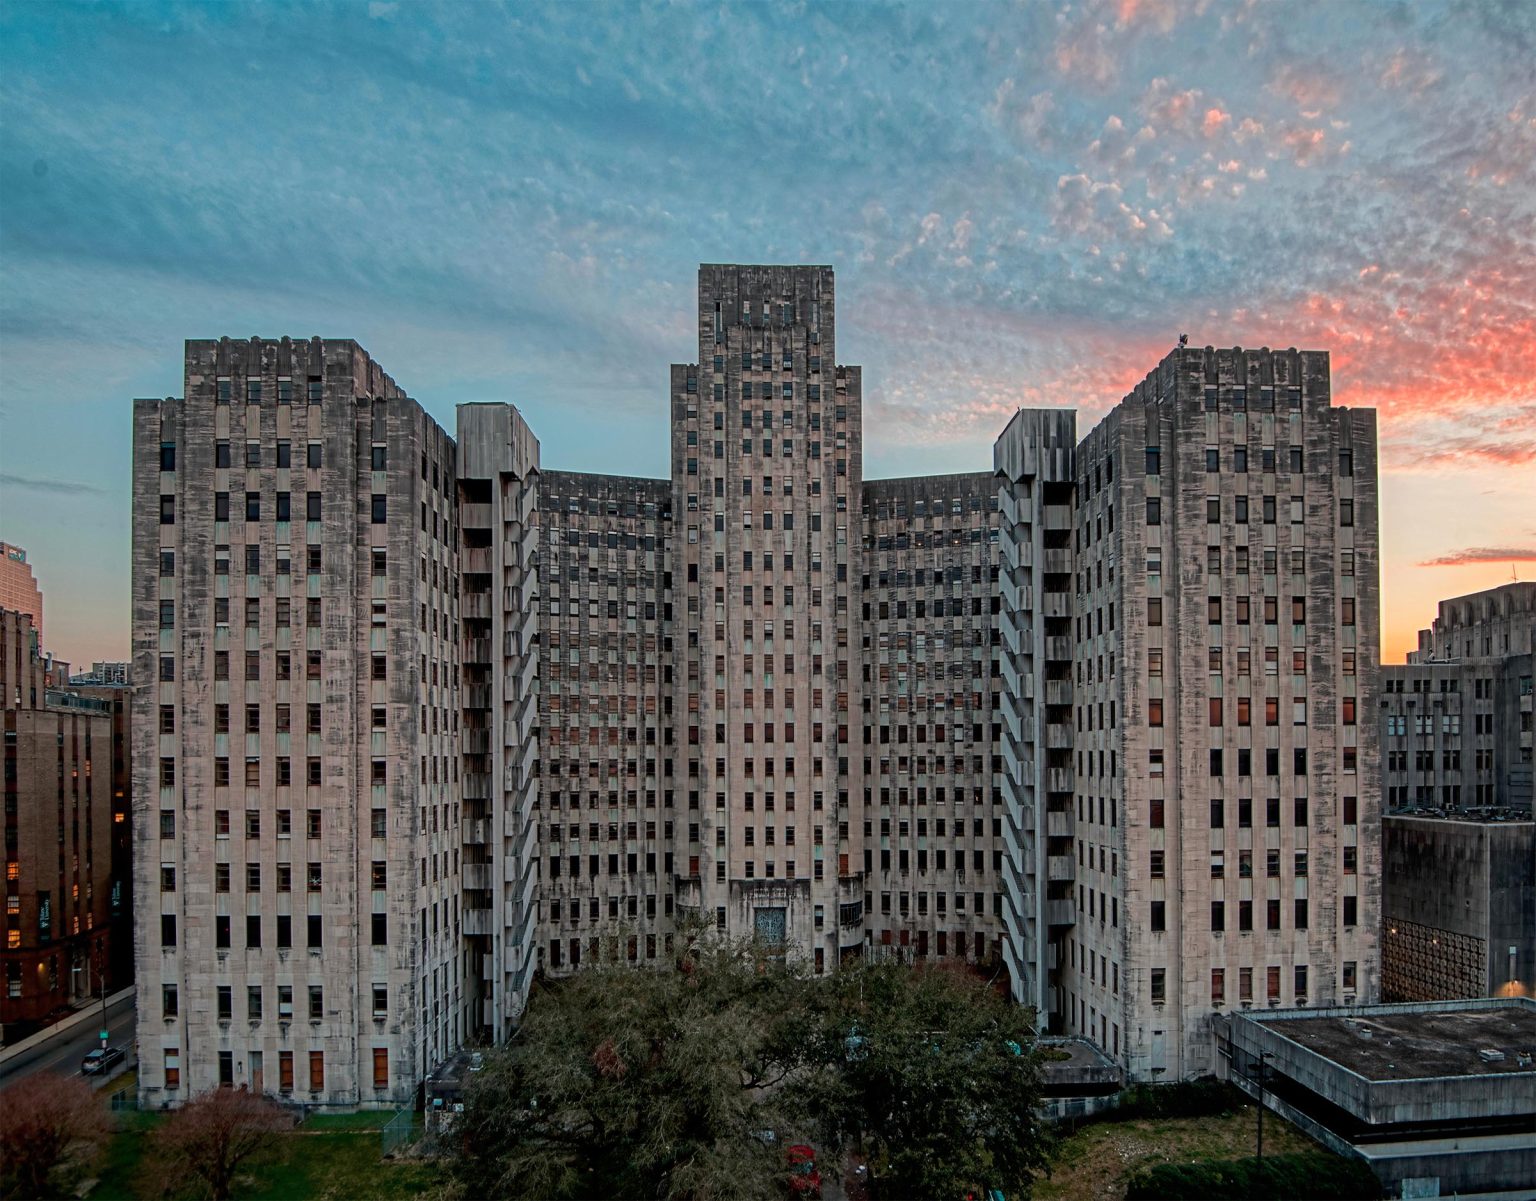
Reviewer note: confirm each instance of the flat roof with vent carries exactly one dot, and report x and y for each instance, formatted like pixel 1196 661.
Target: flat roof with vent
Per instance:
pixel 1382 1045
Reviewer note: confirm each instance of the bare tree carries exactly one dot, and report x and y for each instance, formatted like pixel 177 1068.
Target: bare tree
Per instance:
pixel 46 1122
pixel 211 1136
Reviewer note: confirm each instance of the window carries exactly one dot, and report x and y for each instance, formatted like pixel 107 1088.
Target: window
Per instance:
pixel 1155 711
pixel 380 929
pixel 172 1068
pixel 167 510
pixel 1154 610
pixel 317 1071
pixel 1159 918
pixel 1159 985
pixel 316 1002
pixel 380 507
pixel 381 1067
pixel 1218 986
pixel 1154 511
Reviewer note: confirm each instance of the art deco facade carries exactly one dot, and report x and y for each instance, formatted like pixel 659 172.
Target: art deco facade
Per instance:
pixel 1226 640
pixel 1094 713
pixel 296 747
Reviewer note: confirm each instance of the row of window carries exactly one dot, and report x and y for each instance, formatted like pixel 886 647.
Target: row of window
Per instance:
pixel 1272 975
pixel 285 1086
pixel 1158 915
pixel 1244 711
pixel 1243 610
pixel 1348 761
pixel 314 928
pixel 1268 508
pixel 282 455
pixel 224 389
pixel 1349 861
pixel 378 877
pixel 1269 461
pixel 1348 812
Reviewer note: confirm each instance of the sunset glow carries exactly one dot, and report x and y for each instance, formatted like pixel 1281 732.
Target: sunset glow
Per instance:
pixel 1025 205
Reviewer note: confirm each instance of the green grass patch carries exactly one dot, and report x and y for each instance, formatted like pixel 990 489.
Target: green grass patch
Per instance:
pixel 119 1172
pixel 322 1160
pixel 339 1167
pixel 374 1119
pixel 1098 1160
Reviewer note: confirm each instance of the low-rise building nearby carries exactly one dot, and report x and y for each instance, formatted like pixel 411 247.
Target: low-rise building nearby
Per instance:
pixel 1458 908
pixel 58 835
pixel 1439 1099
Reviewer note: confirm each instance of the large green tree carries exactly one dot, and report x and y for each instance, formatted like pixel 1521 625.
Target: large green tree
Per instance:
pixel 637 1083
pixel 931 1073
pixel 628 1082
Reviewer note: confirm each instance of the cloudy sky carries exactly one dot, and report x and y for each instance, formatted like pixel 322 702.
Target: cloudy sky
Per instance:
pixel 1025 204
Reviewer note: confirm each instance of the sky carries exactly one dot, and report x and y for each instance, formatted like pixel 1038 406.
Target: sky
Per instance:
pixel 1025 204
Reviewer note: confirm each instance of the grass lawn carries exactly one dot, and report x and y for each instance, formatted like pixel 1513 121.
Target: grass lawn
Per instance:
pixel 334 1157
pixel 1097 1161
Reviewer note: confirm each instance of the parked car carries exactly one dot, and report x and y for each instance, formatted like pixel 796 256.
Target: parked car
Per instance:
pixel 100 1061
pixel 804 1178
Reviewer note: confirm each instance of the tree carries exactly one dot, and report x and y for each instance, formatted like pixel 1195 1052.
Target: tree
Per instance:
pixel 933 1073
pixel 630 1082
pixel 46 1123
pixel 210 1137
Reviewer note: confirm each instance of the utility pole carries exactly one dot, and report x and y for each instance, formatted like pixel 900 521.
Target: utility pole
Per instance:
pixel 1259 1156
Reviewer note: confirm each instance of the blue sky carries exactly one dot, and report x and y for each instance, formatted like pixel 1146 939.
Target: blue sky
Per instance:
pixel 1025 204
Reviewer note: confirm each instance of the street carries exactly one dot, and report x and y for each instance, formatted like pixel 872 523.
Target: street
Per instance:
pixel 62 1053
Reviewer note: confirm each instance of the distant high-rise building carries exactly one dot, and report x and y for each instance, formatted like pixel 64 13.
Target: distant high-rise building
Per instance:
pixel 18 589
pixel 295 740
pixel 1456 718
pixel 111 675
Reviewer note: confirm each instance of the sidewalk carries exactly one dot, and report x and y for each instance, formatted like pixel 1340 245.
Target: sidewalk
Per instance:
pixel 85 1013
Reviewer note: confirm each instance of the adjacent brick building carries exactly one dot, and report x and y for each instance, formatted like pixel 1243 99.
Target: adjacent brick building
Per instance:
pixel 58 788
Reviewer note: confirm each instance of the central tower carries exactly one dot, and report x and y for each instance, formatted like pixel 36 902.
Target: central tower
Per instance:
pixel 766 453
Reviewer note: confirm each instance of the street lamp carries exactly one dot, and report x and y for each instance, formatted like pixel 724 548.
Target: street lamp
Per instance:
pixel 101 981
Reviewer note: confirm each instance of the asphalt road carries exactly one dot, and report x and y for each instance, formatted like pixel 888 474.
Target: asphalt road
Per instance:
pixel 62 1054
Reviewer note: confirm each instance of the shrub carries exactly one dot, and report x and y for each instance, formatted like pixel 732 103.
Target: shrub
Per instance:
pixel 1315 1175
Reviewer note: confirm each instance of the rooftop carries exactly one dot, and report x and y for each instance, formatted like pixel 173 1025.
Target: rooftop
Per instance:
pixel 1481 1041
